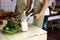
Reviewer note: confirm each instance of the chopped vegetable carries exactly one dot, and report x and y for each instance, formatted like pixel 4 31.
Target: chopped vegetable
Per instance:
pixel 11 28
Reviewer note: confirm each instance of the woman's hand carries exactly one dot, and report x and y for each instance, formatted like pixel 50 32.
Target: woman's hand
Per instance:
pixel 37 16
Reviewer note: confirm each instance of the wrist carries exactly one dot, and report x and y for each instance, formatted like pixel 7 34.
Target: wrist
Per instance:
pixel 40 13
pixel 22 11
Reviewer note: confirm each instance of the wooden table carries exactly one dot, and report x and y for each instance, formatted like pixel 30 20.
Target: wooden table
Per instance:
pixel 52 18
pixel 34 33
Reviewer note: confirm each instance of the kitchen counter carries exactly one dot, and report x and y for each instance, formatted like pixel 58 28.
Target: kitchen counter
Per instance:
pixel 34 33
pixel 54 17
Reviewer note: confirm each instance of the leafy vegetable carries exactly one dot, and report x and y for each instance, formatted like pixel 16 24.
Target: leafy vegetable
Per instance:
pixel 10 24
pixel 11 28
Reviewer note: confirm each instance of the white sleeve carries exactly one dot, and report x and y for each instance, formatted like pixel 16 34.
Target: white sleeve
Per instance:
pixel 47 12
pixel 25 2
pixel 42 1
pixel 32 5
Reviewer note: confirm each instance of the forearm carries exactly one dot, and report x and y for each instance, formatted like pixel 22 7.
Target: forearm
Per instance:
pixel 28 5
pixel 45 5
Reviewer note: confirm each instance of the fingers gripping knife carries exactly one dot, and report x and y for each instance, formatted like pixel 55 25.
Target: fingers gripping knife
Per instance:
pixel 24 17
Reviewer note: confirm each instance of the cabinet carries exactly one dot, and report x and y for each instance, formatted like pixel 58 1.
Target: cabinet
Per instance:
pixel 8 5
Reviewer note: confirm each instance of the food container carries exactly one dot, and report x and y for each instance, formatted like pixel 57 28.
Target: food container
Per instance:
pixel 24 26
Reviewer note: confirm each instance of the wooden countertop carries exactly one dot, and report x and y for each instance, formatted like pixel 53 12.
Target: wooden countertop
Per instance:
pixel 33 31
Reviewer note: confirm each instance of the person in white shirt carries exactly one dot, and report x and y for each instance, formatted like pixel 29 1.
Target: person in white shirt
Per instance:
pixel 22 5
pixel 44 11
pixel 47 13
pixel 40 11
pixel 36 5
